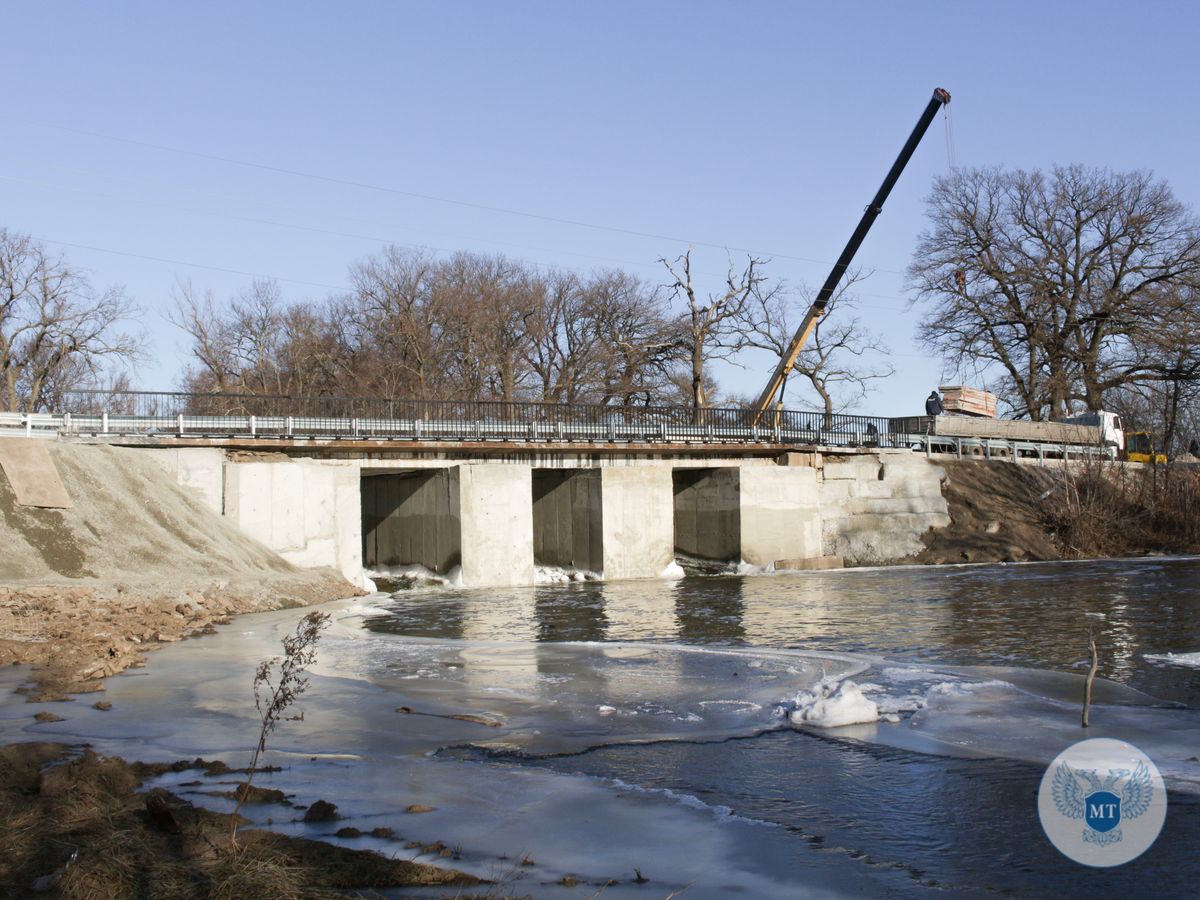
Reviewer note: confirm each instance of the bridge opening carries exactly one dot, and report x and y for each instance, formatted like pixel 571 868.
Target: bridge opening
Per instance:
pixel 708 520
pixel 411 518
pixel 567 519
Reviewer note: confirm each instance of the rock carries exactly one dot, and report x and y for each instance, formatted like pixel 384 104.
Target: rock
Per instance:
pixel 160 814
pixel 322 811
pixel 418 808
pixel 383 832
pixel 102 705
pixel 249 793
pixel 992 527
pixel 478 720
pixel 348 832
pixel 48 717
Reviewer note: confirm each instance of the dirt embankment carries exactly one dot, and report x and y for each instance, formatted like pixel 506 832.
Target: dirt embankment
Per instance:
pixel 996 514
pixel 76 826
pixel 135 563
pixel 1005 512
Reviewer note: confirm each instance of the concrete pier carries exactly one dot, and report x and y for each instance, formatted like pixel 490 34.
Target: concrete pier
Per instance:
pixel 638 536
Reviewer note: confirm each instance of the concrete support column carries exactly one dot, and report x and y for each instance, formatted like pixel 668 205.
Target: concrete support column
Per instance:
pixel 638 521
pixel 496 512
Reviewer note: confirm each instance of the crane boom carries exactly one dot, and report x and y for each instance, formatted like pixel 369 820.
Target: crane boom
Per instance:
pixel 874 208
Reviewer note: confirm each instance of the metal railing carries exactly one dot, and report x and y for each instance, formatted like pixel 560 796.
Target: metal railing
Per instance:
pixel 152 414
pixel 228 415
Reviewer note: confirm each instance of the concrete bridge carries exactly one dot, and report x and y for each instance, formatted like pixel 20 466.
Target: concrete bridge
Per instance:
pixel 487 499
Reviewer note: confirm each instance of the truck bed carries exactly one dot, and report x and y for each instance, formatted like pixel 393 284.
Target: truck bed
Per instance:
pixel 1000 429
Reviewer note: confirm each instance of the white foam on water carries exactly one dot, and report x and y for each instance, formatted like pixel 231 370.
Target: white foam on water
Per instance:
pixel 563 575
pixel 418 574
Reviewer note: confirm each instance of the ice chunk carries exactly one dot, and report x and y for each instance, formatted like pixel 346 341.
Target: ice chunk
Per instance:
pixel 1191 660
pixel 833 703
pixel 673 571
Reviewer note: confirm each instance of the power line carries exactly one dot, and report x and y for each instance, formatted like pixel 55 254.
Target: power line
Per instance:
pixel 316 230
pixel 362 185
pixel 890 301
pixel 180 262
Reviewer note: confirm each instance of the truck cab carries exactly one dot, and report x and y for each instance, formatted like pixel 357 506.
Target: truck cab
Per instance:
pixel 1112 434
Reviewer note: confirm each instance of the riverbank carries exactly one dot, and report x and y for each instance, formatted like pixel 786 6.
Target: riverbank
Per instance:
pixel 131 562
pixel 80 825
pixel 72 636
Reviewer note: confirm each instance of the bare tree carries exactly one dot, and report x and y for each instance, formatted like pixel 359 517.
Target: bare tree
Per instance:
pixel 1050 280
pixel 239 348
pixel 607 338
pixel 716 326
pixel 56 330
pixel 842 357
pixel 1165 403
pixel 393 326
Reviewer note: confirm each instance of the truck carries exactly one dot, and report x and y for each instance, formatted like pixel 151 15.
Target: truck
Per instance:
pixel 1091 433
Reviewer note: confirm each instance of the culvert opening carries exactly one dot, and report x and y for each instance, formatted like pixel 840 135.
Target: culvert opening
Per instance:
pixel 567 523
pixel 410 525
pixel 708 526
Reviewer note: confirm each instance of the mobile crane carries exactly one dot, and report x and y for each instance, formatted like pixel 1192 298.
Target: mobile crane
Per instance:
pixel 774 386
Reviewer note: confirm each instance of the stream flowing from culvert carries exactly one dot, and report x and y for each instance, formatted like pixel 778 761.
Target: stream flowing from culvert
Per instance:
pixel 642 725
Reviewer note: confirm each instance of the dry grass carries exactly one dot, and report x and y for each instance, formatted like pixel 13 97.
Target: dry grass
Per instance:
pixel 1101 509
pixel 84 820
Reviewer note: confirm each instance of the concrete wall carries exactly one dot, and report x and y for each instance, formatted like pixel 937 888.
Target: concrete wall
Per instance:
pixel 198 470
pixel 780 514
pixel 875 507
pixel 567 519
pixel 411 518
pixel 307 512
pixel 623 520
pixel 638 522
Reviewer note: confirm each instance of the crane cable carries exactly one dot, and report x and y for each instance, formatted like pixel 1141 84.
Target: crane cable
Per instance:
pixel 949 137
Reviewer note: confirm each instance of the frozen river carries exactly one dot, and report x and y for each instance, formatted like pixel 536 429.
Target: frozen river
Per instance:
pixel 643 725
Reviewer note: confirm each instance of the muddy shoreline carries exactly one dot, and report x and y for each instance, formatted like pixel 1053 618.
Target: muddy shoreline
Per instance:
pixel 81 825
pixel 73 636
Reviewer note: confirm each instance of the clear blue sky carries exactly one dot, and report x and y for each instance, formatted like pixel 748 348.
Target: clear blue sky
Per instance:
pixel 765 126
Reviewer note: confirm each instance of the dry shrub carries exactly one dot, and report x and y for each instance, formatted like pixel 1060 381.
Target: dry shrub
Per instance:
pixel 1101 508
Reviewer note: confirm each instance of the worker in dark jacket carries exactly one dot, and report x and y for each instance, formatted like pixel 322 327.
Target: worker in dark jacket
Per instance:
pixel 933 404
